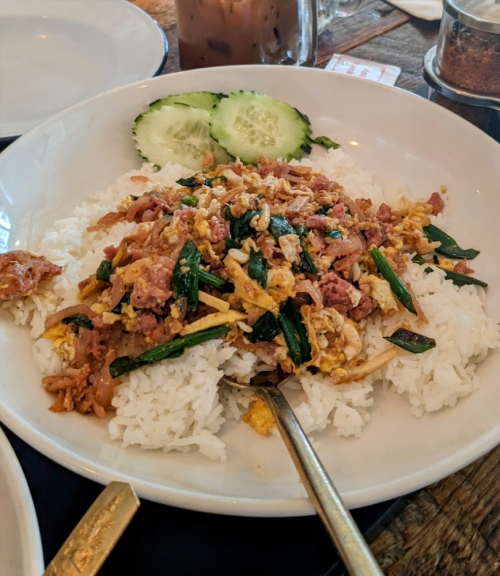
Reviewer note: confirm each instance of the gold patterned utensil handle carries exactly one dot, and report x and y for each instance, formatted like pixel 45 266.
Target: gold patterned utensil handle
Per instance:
pixel 97 533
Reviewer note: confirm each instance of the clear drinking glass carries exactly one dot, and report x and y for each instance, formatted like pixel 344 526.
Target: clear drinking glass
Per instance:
pixel 221 32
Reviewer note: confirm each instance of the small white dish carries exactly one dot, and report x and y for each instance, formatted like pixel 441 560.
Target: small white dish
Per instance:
pixel 55 53
pixel 400 137
pixel 20 545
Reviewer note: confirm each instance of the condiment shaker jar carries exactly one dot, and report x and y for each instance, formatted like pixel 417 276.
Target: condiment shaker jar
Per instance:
pixel 468 51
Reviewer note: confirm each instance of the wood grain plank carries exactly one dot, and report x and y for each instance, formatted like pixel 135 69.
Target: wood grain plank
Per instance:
pixel 405 47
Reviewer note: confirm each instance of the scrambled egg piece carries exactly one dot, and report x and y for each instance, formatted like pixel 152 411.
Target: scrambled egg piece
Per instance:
pixel 352 344
pixel 291 248
pixel 129 317
pixel 280 283
pixel 446 263
pixel 259 417
pixel 247 289
pixel 380 290
pixel 64 341
pixel 326 353
pixel 201 226
pixel 171 233
pixel 212 320
pixel 411 227
pixel 132 272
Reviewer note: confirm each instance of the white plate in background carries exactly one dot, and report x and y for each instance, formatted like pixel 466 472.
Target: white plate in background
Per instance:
pixel 20 545
pixel 397 135
pixel 55 53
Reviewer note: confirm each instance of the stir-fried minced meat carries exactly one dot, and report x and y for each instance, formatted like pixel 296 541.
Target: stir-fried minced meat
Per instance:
pixel 436 202
pixel 21 272
pixel 267 253
pixel 461 267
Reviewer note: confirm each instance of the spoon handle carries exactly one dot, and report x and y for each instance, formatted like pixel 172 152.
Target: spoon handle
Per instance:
pixel 349 541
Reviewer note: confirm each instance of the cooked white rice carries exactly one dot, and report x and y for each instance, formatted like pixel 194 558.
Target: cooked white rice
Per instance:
pixel 178 403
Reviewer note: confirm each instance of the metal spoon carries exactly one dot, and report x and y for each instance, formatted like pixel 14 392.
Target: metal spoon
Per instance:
pixel 349 541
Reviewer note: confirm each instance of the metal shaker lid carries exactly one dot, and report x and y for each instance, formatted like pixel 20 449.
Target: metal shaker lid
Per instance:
pixel 479 14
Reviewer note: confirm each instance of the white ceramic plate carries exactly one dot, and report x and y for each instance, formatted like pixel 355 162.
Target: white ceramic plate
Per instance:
pixel 20 545
pixel 55 53
pixel 49 171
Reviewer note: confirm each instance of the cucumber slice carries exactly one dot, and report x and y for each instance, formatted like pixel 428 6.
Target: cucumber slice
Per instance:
pixel 203 100
pixel 249 125
pixel 177 134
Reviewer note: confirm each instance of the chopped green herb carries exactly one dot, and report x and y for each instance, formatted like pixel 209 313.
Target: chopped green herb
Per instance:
pixel 230 243
pixel 134 197
pixel 212 280
pixel 457 278
pixel 411 341
pixel 301 230
pixel 189 200
pixel 185 274
pixel 336 234
pixel 291 339
pixel 449 246
pixel 240 227
pixel 326 142
pixel 265 329
pixel 79 320
pixel 193 181
pixel 397 286
pixel 125 300
pixel 291 311
pixel 279 226
pixel 257 267
pixel 170 349
pixel 104 271
pixel 323 211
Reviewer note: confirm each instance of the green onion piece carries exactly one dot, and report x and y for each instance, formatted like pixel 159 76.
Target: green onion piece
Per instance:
pixel 185 274
pixel 193 181
pixel 457 278
pixel 230 243
pixel 170 349
pixel 397 286
pixel 265 329
pixel 240 227
pixel 290 310
pixel 326 142
pixel 79 320
pixel 257 267
pixel 411 341
pixel 216 281
pixel 323 211
pixel 418 259
pixel 291 339
pixel 463 279
pixel 301 230
pixel 449 246
pixel 167 349
pixel 336 234
pixel 279 226
pixel 125 300
pixel 134 197
pixel 104 271
pixel 306 262
pixel 189 200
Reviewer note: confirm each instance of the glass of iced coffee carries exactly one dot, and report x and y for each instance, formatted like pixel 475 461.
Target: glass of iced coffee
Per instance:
pixel 222 32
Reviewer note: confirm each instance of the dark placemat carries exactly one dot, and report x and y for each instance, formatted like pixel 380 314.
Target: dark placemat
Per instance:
pixel 162 539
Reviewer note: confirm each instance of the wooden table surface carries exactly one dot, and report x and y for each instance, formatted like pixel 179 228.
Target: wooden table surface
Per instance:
pixel 451 528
